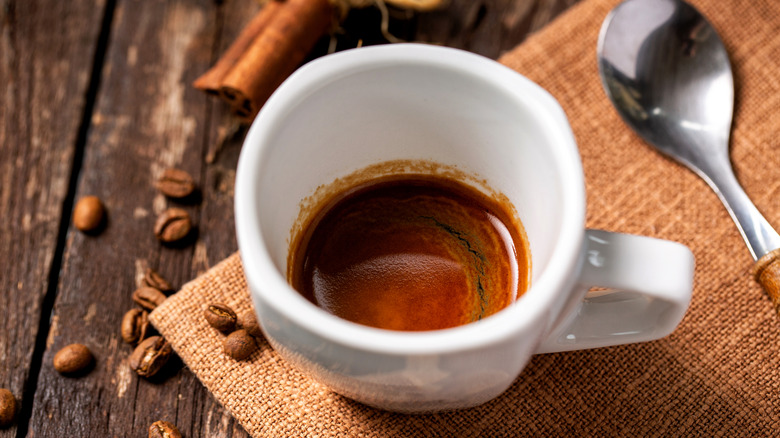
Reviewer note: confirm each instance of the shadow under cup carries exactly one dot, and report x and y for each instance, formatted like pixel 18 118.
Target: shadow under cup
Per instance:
pixel 334 118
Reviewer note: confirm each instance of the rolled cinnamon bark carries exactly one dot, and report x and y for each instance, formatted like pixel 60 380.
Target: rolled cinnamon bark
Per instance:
pixel 275 53
pixel 211 81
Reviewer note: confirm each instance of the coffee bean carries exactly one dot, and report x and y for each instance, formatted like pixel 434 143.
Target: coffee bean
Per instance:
pixel 172 225
pixel 155 280
pixel 221 317
pixel 88 213
pixel 150 356
pixel 148 297
pixel 7 408
pixel 135 324
pixel 239 344
pixel 248 322
pixel 163 429
pixel 72 359
pixel 175 183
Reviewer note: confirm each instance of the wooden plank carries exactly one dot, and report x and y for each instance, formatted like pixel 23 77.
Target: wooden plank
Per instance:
pixel 46 55
pixel 488 27
pixel 147 118
pixel 201 415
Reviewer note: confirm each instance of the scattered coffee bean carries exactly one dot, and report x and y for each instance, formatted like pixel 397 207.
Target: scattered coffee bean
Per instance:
pixel 221 317
pixel 163 429
pixel 88 213
pixel 172 225
pixel 155 280
pixel 7 408
pixel 72 359
pixel 239 344
pixel 148 297
pixel 248 322
pixel 175 183
pixel 150 356
pixel 135 324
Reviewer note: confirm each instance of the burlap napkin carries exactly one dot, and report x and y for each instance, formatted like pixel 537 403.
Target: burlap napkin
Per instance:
pixel 718 374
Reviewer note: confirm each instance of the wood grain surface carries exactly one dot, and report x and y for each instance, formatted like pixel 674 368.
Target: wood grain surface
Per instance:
pixel 45 89
pixel 96 100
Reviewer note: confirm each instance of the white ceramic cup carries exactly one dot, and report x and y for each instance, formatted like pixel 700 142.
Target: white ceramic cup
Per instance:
pixel 353 109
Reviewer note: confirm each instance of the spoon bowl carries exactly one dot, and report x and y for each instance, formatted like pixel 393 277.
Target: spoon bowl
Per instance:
pixel 668 74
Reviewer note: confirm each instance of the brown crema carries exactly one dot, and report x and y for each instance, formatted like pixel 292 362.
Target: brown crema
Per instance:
pixel 413 253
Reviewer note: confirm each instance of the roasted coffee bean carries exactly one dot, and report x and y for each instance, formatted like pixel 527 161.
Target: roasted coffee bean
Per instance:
pixel 148 297
pixel 239 344
pixel 172 225
pixel 88 213
pixel 150 356
pixel 248 322
pixel 72 359
pixel 221 317
pixel 155 280
pixel 135 324
pixel 7 408
pixel 163 429
pixel 175 183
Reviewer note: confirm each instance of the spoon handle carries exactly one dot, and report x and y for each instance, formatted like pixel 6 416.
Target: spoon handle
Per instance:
pixel 767 274
pixel 757 232
pixel 762 240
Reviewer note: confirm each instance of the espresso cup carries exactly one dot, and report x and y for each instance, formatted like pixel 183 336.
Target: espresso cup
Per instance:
pixel 354 110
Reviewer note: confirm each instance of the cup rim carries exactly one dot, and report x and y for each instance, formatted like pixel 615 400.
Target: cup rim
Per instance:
pixel 269 287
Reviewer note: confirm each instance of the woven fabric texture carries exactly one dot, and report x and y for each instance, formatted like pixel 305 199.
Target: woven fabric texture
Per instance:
pixel 718 374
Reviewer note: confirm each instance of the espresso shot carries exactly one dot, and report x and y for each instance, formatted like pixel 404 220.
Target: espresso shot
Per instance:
pixel 412 253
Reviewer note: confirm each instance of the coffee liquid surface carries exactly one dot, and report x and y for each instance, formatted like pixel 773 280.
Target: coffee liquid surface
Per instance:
pixel 413 253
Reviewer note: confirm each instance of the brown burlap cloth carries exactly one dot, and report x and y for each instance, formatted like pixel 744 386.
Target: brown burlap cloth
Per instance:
pixel 717 374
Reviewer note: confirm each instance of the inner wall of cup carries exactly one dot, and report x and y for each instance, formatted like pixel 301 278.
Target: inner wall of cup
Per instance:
pixel 410 112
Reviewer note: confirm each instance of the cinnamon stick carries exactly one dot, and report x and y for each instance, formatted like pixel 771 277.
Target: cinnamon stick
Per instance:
pixel 211 81
pixel 274 43
pixel 275 53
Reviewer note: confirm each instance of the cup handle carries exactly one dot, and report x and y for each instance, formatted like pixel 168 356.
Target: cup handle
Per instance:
pixel 638 290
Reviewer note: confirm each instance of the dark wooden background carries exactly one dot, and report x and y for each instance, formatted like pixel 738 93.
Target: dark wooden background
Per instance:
pixel 95 98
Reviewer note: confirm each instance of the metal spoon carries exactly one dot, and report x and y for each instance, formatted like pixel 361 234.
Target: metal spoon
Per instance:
pixel 667 73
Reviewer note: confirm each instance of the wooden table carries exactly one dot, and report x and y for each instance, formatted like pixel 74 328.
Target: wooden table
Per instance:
pixel 96 99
